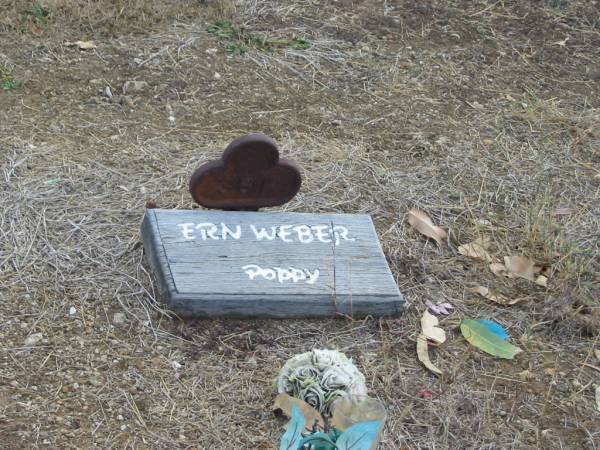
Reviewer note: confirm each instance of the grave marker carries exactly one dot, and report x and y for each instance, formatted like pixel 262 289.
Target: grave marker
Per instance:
pixel 258 264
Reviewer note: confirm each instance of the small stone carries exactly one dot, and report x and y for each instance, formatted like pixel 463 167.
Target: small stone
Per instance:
pixel 217 76
pixel 119 319
pixel 134 86
pixel 175 365
pixel 336 123
pixel 72 311
pixel 33 339
pixel 107 92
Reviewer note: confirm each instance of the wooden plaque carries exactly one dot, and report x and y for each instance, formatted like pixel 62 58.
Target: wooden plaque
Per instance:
pixel 258 264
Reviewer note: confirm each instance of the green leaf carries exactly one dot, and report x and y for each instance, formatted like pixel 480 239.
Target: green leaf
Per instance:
pixel 7 85
pixel 479 334
pixel 236 49
pixel 360 436
pixel 293 434
pixel 300 44
pixel 222 29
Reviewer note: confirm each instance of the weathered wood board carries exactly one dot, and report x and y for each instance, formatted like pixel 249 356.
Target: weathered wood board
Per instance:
pixel 259 264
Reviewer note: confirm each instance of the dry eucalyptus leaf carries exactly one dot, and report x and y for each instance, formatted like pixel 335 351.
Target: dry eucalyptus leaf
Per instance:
pixel 520 266
pixel 499 269
pixel 423 354
pixel 441 308
pixel 497 298
pixel 82 45
pixel 476 250
pixel 285 402
pixel 421 222
pixel 597 353
pixel 430 328
pixel 541 280
pixel 563 211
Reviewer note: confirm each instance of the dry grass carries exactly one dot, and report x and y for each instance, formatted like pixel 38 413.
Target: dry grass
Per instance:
pixel 478 112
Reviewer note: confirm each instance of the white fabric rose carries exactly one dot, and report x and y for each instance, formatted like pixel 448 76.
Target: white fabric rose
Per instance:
pixel 327 358
pixel 313 395
pixel 321 377
pixel 335 377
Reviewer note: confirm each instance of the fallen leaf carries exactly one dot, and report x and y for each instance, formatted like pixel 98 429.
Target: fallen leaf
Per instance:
pixel 423 354
pixel 497 298
pixel 520 266
pixel 476 250
pixel 563 211
pixel 285 404
pixel 429 325
pixel 349 411
pixel 598 398
pixel 496 328
pixel 597 353
pixel 486 337
pixel 440 308
pixel 82 45
pixel 421 222
pixel 499 269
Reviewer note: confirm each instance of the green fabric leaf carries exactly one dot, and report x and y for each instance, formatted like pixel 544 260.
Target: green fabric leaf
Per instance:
pixel 479 334
pixel 293 434
pixel 360 436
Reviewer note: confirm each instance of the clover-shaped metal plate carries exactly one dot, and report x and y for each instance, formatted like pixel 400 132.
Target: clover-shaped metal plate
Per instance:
pixel 250 175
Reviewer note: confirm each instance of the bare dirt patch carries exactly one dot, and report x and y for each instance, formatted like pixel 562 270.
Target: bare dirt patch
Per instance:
pixel 485 114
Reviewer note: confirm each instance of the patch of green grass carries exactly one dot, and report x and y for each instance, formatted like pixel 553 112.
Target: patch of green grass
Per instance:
pixel 239 41
pixel 300 44
pixel 37 14
pixel 236 49
pixel 7 83
pixel 222 29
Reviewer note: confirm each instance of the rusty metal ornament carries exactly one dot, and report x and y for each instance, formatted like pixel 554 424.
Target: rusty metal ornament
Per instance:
pixel 250 175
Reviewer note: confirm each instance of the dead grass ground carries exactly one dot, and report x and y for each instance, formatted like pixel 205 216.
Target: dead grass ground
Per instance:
pixel 486 114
